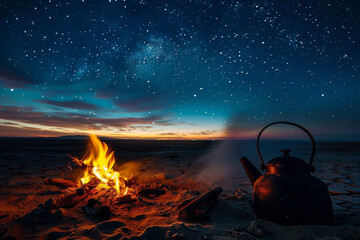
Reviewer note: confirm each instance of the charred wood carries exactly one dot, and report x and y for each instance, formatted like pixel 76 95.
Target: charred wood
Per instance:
pixel 186 202
pixel 61 183
pixel 123 199
pixel 71 200
pixel 200 205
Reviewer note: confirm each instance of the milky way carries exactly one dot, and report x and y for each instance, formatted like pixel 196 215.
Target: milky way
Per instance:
pixel 179 69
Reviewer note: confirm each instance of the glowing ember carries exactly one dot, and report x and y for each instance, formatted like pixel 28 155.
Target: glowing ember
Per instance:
pixel 98 163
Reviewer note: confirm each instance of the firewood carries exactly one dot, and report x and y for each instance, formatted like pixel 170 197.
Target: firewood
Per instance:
pixel 87 187
pixel 108 198
pixel 200 205
pixel 124 199
pixel 73 199
pixel 91 203
pixel 61 183
pixel 80 191
pixel 184 203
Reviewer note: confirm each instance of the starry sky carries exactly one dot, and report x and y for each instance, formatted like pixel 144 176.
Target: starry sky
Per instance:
pixel 179 69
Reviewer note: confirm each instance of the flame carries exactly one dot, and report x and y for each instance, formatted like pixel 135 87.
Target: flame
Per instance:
pixel 98 163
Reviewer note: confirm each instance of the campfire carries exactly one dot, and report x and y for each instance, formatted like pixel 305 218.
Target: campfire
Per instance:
pixel 98 163
pixel 103 191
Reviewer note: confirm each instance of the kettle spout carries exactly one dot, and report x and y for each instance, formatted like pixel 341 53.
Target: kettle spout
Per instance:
pixel 252 172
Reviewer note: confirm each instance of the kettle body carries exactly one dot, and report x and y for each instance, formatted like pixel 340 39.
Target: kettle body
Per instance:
pixel 287 193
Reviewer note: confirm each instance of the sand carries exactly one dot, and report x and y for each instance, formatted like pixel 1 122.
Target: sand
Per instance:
pixel 184 169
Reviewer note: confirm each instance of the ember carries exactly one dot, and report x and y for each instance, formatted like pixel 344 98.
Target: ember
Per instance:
pixel 98 163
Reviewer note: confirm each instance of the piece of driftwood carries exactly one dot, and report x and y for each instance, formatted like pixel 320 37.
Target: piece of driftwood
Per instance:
pixel 149 192
pixel 200 205
pixel 61 183
pixel 186 202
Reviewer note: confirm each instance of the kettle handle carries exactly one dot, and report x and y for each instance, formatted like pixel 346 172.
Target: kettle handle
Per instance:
pixel 262 166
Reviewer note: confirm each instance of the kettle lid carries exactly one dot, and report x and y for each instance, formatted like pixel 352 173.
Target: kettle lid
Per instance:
pixel 287 165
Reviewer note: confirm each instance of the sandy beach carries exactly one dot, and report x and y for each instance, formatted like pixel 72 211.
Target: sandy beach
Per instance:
pixel 184 169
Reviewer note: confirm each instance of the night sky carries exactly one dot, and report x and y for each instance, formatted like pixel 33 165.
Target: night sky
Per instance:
pixel 179 69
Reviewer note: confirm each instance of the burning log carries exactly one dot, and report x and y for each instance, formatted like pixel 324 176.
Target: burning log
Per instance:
pixel 61 183
pixel 109 197
pixel 200 205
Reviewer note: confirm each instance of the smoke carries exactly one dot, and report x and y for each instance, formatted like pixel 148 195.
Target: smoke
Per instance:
pixel 222 165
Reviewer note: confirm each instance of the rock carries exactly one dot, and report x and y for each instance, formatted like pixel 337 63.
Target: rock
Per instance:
pixel 91 203
pixel 103 213
pixel 41 205
pixel 59 213
pixel 256 228
pixel 91 212
pixel 50 204
pixel 38 215
pixel 80 191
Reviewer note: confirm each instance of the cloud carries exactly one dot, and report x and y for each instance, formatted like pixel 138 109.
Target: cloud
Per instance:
pixel 11 80
pixel 14 108
pixel 169 134
pixel 208 132
pixel 12 130
pixel 77 121
pixel 71 104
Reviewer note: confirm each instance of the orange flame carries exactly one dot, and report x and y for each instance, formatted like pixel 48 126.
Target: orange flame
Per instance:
pixel 99 162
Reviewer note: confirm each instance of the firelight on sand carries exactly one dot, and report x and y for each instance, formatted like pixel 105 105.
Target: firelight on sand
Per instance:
pixel 98 163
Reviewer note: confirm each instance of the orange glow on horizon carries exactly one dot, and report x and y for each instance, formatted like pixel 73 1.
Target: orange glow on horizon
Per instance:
pixel 20 129
pixel 10 128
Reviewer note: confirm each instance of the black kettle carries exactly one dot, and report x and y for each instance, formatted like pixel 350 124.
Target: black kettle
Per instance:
pixel 287 193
